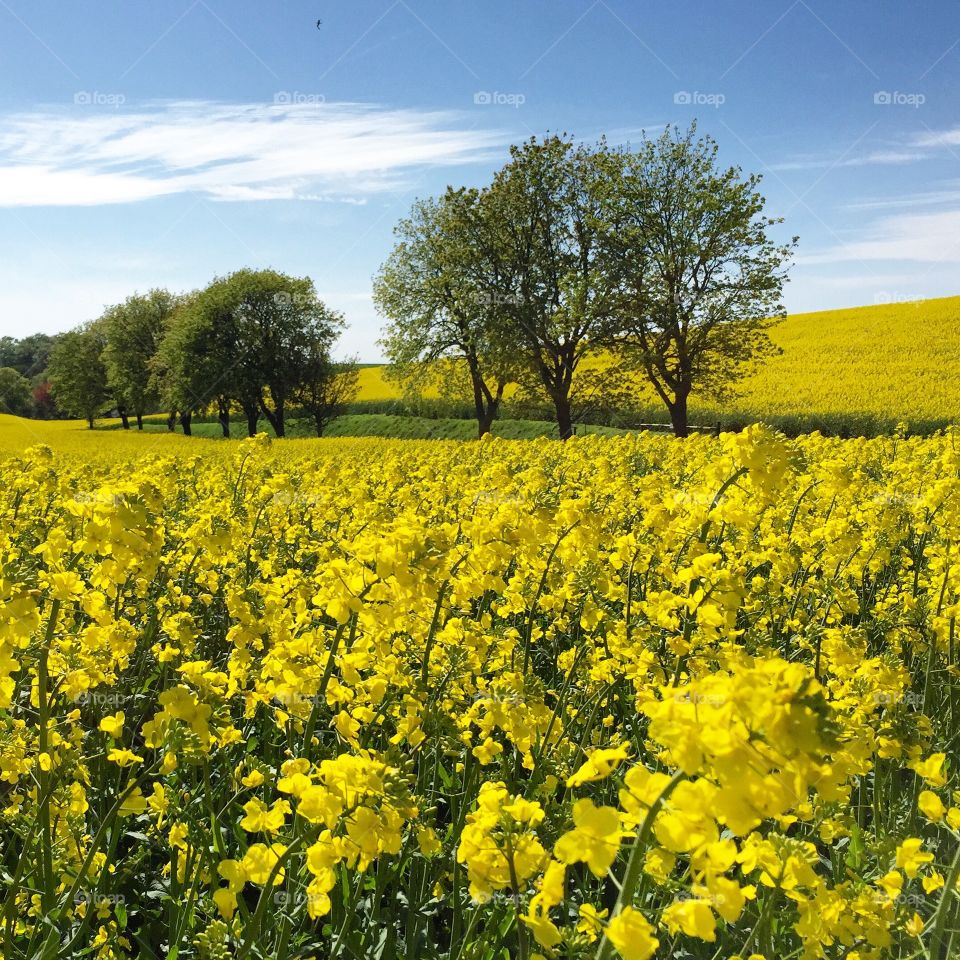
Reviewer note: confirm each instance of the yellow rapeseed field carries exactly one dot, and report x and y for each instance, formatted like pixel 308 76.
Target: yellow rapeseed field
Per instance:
pixel 625 696
pixel 899 360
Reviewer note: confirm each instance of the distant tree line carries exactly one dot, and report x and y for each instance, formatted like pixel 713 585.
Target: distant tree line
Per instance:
pixel 581 271
pixel 256 343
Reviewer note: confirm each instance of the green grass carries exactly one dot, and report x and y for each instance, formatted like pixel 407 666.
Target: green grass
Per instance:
pixel 387 425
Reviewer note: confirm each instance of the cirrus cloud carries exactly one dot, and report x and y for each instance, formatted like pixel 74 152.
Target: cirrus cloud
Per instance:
pixel 229 152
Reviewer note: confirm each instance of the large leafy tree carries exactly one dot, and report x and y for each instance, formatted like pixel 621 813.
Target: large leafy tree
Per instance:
pixel 133 331
pixel 280 319
pixel 78 373
pixel 444 290
pixel 698 279
pixel 247 339
pixel 543 209
pixel 202 362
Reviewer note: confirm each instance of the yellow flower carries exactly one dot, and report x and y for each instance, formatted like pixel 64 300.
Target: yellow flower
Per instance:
pixel 632 935
pixel 123 758
pixel 931 806
pixel 226 902
pixel 487 751
pixel 260 860
pixel 931 769
pixel 178 836
pixel 692 917
pixel 65 586
pixel 259 818
pixel 891 884
pixel 134 803
pixel 113 725
pixel 594 840
pixel 428 842
pixel 914 926
pixel 932 882
pixel 591 920
pixel 599 765
pixel 910 857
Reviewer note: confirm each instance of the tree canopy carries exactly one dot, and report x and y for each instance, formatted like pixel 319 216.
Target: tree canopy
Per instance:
pixel 78 373
pixel 133 330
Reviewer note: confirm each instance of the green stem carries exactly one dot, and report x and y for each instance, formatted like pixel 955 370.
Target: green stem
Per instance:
pixel 47 891
pixel 940 950
pixel 635 862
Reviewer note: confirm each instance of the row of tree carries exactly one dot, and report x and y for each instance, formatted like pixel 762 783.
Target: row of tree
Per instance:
pixel 580 271
pixel 256 341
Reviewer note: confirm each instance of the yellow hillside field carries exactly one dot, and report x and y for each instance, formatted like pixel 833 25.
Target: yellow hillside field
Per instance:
pixel 892 360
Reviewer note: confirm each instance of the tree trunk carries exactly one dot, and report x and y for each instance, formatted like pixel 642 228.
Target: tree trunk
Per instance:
pixel 564 418
pixel 480 409
pixel 223 415
pixel 124 419
pixel 185 422
pixel 90 421
pixel 319 423
pixel 275 418
pixel 253 418
pixel 486 417
pixel 678 415
pixel 139 420
pixel 172 420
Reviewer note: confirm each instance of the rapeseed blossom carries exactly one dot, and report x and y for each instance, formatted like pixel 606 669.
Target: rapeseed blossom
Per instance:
pixel 616 697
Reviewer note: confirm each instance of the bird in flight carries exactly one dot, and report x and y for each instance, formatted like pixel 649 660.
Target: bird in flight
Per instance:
pixel 318 24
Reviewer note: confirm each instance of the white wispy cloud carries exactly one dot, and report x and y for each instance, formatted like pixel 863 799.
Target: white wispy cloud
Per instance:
pixel 939 138
pixel 294 150
pixel 869 159
pixel 931 238
pixel 912 148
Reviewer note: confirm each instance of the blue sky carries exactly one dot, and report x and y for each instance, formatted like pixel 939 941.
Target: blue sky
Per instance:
pixel 159 144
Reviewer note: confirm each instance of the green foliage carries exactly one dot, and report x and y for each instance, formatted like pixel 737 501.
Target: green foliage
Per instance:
pixel 657 256
pixel 443 291
pixel 15 394
pixel 133 330
pixel 255 338
pixel 28 356
pixel 78 373
pixel 698 281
